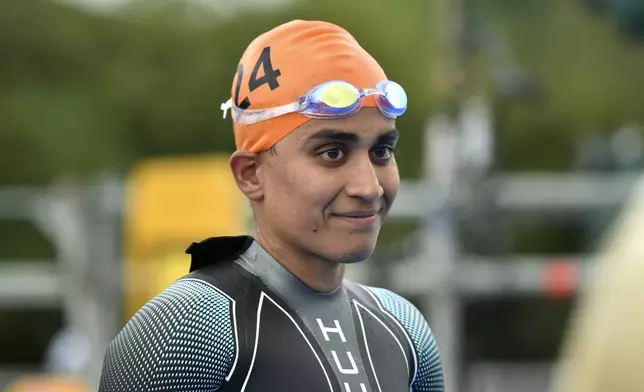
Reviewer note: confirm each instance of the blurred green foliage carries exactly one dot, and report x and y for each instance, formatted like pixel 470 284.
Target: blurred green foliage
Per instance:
pixel 627 14
pixel 82 93
pixel 588 80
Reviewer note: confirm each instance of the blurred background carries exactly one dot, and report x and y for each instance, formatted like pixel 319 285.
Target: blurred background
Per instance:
pixel 520 155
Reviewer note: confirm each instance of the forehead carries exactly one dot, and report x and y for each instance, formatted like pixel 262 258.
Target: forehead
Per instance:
pixel 368 124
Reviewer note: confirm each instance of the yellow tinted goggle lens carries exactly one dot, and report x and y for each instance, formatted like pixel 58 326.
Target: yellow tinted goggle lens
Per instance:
pixel 339 95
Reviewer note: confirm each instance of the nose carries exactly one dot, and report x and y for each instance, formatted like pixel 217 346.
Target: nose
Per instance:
pixel 363 182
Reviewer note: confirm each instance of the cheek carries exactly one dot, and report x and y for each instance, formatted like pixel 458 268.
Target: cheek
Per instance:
pixel 313 189
pixel 390 181
pixel 303 191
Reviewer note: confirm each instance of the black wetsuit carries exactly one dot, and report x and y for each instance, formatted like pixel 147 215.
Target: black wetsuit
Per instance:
pixel 241 322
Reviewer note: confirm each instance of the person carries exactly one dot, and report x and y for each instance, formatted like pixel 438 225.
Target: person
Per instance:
pixel 314 124
pixel 603 346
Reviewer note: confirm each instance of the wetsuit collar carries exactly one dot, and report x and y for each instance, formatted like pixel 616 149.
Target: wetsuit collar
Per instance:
pixel 216 250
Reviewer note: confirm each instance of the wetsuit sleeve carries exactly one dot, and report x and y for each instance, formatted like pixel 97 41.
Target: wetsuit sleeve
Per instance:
pixel 429 371
pixel 181 340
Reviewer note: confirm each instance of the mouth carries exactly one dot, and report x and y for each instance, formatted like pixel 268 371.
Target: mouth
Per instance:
pixel 360 219
pixel 359 214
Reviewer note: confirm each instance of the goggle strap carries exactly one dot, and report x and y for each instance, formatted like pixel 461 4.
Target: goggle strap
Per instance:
pixel 252 116
pixel 226 106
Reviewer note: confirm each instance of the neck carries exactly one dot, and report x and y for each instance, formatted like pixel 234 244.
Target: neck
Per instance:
pixel 318 274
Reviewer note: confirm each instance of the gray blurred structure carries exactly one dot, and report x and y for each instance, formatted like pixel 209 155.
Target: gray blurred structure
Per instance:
pixel 83 222
pixel 84 278
pixel 509 377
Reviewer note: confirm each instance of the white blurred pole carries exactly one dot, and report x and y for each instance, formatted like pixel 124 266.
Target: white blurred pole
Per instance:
pixel 439 250
pixel 441 168
pixel 82 226
pixel 60 215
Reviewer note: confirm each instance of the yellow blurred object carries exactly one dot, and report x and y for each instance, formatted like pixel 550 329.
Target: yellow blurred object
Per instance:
pixel 604 349
pixel 41 383
pixel 170 203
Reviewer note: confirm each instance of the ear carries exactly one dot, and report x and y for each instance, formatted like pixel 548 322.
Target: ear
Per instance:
pixel 244 165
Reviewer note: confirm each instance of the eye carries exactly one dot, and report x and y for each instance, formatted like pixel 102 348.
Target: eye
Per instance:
pixel 332 154
pixel 383 153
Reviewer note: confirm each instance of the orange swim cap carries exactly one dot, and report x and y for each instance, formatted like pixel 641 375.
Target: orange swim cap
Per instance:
pixel 283 64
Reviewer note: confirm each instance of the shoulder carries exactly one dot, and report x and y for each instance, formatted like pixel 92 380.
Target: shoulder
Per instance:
pixel 183 338
pixel 411 319
pixel 429 373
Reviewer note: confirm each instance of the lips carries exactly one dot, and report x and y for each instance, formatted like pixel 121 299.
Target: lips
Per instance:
pixel 358 214
pixel 359 219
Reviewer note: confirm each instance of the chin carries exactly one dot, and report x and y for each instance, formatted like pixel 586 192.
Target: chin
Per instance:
pixel 356 259
pixel 349 253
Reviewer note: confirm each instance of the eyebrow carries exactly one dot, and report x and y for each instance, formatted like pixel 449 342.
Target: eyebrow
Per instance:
pixel 334 135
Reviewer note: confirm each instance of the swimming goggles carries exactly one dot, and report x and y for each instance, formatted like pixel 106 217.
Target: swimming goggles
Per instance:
pixel 334 99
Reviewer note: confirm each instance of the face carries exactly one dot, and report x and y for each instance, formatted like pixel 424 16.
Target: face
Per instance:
pixel 329 185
